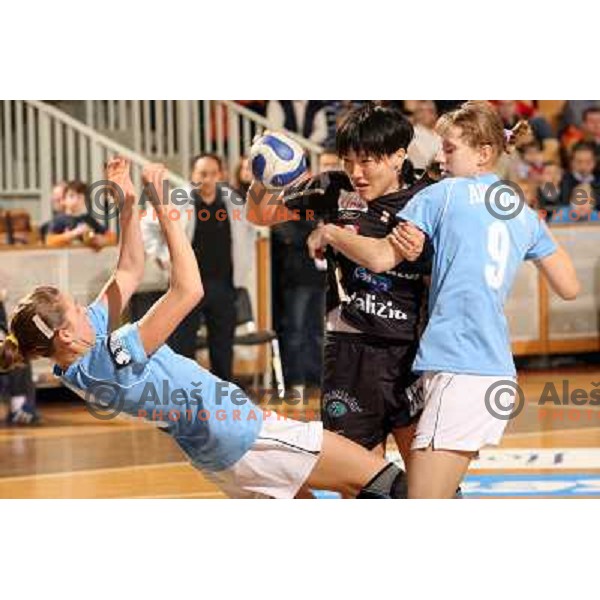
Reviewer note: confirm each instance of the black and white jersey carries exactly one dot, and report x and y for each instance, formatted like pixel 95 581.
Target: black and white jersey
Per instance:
pixel 389 304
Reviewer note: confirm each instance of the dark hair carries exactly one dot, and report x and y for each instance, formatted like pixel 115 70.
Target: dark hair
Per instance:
pixel 215 157
pixel 528 145
pixel 329 149
pixel 582 146
pixel 375 130
pixel 78 187
pixel 26 340
pixel 590 110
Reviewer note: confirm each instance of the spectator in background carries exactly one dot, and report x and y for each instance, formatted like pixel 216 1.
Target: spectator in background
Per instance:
pixel 58 193
pixel 332 112
pixel 56 199
pixel 17 384
pixel 426 143
pixel 292 115
pixel 582 167
pixel 581 209
pixel 329 161
pixel 589 132
pixel 302 305
pixel 542 131
pixel 573 111
pixel 75 223
pixel 242 176
pixel 529 189
pixel 224 244
pixel 548 191
pixel 529 163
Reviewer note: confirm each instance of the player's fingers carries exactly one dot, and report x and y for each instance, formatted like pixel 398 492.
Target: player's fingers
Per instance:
pixel 409 250
pixel 410 235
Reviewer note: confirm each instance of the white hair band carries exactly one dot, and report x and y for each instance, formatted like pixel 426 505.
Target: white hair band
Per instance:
pixel 39 323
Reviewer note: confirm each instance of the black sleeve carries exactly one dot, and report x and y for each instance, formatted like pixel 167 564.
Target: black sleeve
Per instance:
pixel 424 263
pixel 94 225
pixel 319 194
pixel 58 224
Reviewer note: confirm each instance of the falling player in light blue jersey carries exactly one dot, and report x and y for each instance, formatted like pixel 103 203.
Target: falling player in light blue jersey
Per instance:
pixel 481 234
pixel 246 452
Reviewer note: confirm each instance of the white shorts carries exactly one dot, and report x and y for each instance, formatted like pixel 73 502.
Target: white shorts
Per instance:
pixel 277 464
pixel 455 416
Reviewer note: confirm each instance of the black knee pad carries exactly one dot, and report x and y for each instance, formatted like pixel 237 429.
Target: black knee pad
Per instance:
pixel 389 483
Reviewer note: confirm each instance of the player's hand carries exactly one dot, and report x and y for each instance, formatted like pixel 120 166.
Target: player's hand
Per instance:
pixel 317 242
pixel 117 172
pixel 320 194
pixel 409 240
pixel 154 174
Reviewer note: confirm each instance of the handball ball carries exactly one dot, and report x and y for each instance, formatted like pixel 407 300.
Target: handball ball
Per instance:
pixel 277 160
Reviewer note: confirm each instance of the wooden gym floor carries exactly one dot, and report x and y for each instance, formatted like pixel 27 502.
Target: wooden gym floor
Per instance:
pixel 547 451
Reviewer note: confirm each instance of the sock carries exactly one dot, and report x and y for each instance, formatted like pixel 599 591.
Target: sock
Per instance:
pixel 390 482
pixel 17 403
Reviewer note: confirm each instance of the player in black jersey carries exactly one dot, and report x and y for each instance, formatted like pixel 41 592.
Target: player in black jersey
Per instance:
pixel 374 320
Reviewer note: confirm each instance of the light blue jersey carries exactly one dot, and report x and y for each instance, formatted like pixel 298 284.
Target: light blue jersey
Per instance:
pixel 213 421
pixel 476 258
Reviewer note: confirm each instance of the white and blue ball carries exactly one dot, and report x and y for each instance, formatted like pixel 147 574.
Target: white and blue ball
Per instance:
pixel 277 160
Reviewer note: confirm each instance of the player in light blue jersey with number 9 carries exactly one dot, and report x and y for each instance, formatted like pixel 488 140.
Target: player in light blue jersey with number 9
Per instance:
pixel 481 231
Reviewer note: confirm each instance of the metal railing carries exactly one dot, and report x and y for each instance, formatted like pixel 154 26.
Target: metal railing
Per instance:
pixel 41 145
pixel 174 131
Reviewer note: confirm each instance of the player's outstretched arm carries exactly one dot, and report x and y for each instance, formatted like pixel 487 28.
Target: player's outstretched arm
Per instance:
pixel 559 271
pixel 185 289
pixel 266 207
pixel 130 265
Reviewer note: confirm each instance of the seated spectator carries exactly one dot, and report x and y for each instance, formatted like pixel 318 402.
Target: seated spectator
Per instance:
pixel 581 170
pixel 589 132
pixel 19 227
pixel 548 191
pixel 426 142
pixel 17 384
pixel 75 224
pixel 573 111
pixel 529 163
pixel 329 161
pixel 529 189
pixel 542 131
pixel 581 209
pixel 58 192
pixel 242 177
